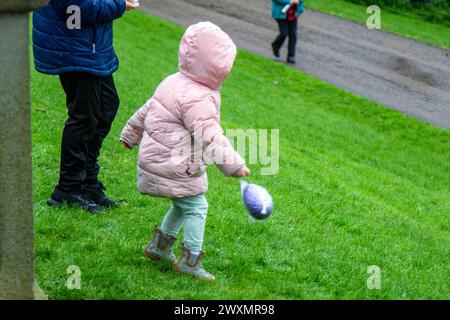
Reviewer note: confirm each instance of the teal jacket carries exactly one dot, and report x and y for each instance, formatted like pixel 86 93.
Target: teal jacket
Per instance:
pixel 278 5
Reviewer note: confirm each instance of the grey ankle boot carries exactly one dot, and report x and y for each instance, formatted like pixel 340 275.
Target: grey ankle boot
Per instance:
pixel 191 264
pixel 160 247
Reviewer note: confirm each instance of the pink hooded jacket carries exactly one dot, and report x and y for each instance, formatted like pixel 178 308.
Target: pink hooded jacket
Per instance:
pixel 178 129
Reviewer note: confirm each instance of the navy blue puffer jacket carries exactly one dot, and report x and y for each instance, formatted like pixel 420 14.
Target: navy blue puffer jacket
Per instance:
pixel 58 49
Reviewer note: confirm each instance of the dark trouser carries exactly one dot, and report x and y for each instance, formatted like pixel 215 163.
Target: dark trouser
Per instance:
pixel 92 104
pixel 287 29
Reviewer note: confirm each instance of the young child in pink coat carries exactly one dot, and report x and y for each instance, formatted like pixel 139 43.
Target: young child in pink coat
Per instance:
pixel 179 133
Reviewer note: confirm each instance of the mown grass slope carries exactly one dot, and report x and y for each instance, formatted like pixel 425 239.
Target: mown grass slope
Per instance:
pixel 358 185
pixel 402 22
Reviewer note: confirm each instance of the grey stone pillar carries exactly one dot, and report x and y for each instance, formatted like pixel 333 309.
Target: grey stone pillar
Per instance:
pixel 16 205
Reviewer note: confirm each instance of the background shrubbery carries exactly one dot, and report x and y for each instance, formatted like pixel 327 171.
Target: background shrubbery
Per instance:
pixel 437 11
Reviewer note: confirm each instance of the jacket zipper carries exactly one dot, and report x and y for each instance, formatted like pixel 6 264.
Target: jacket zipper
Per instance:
pixel 93 39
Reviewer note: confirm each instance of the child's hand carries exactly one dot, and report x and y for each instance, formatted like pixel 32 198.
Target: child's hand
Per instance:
pixel 131 5
pixel 124 144
pixel 243 172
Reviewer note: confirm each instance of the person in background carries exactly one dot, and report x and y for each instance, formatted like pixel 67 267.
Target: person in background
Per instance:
pixel 286 13
pixel 81 53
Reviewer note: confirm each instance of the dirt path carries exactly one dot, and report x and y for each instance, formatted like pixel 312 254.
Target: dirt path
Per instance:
pixel 402 74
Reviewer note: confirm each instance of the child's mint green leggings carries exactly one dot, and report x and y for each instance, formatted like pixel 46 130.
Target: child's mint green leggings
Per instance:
pixel 192 212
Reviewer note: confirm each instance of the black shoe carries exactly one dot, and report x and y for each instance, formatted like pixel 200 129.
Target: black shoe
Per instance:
pixel 77 198
pixel 276 52
pixel 291 60
pixel 96 191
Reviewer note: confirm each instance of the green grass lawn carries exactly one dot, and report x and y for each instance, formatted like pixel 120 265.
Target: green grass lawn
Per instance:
pixel 358 185
pixel 404 25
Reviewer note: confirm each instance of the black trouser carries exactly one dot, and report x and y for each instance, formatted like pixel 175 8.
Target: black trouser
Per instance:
pixel 287 29
pixel 92 104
